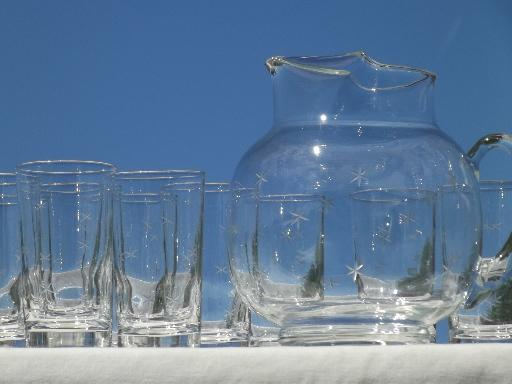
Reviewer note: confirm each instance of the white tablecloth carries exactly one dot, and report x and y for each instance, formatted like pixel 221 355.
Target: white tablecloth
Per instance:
pixel 439 364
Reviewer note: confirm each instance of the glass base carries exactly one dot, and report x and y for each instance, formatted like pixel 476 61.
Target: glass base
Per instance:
pixel 264 336
pixel 365 334
pixel 67 338
pixel 182 340
pixel 489 333
pixel 223 338
pixel 12 335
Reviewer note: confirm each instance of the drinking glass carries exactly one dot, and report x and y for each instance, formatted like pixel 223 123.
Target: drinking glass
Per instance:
pixel 393 244
pixel 487 313
pixel 12 331
pixel 224 318
pixel 282 238
pixel 393 269
pixel 66 213
pixel 158 240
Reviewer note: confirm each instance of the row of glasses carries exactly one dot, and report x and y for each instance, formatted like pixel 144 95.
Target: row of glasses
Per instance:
pixel 83 230
pixel 89 250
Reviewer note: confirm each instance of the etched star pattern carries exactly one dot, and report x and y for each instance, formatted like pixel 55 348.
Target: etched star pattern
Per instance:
pixel 40 204
pixel 384 233
pixel 260 179
pixel 380 165
pixel 84 217
pixel 297 219
pixel 221 269
pixel 129 254
pixel 332 282
pixel 493 227
pixel 404 218
pixel 83 245
pixel 45 257
pixel 354 271
pixel 359 177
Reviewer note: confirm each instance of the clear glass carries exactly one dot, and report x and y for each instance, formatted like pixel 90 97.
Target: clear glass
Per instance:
pixel 224 317
pixel 393 267
pixel 67 251
pixel 487 314
pixel 12 328
pixel 344 124
pixel 158 244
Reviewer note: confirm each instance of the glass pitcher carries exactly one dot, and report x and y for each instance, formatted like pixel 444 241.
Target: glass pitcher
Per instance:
pixel 353 140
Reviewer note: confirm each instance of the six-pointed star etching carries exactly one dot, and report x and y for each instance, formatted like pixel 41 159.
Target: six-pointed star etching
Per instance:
pixel 354 271
pixel 260 179
pixel 359 177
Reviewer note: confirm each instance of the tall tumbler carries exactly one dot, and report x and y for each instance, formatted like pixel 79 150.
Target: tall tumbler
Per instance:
pixel 224 318
pixel 66 210
pixel 158 244
pixel 487 313
pixel 12 331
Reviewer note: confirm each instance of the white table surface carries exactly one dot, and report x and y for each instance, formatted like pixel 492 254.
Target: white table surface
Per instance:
pixel 413 364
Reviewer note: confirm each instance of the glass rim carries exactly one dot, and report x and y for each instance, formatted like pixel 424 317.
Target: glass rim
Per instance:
pixel 290 197
pixel 222 186
pixel 315 64
pixel 492 185
pixel 456 187
pixel 157 174
pixel 5 179
pixel 399 195
pixel 25 168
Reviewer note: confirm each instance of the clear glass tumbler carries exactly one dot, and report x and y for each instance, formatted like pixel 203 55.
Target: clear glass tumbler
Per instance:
pixel 158 245
pixel 12 332
pixel 394 250
pixel 224 317
pixel 487 313
pixel 281 237
pixel 66 211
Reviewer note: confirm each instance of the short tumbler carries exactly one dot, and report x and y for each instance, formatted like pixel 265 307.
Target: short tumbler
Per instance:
pixel 158 244
pixel 67 251
pixel 11 320
pixel 281 238
pixel 224 318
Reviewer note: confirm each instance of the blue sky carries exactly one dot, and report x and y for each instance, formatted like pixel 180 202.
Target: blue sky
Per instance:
pixel 164 84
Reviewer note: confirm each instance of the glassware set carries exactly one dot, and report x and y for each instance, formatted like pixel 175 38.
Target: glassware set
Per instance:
pixel 355 220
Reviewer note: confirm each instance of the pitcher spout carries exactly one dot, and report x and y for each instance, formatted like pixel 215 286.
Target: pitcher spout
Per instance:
pixel 352 86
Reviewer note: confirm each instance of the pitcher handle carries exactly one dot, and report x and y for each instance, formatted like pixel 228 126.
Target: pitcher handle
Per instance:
pixel 477 152
pixel 490 269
